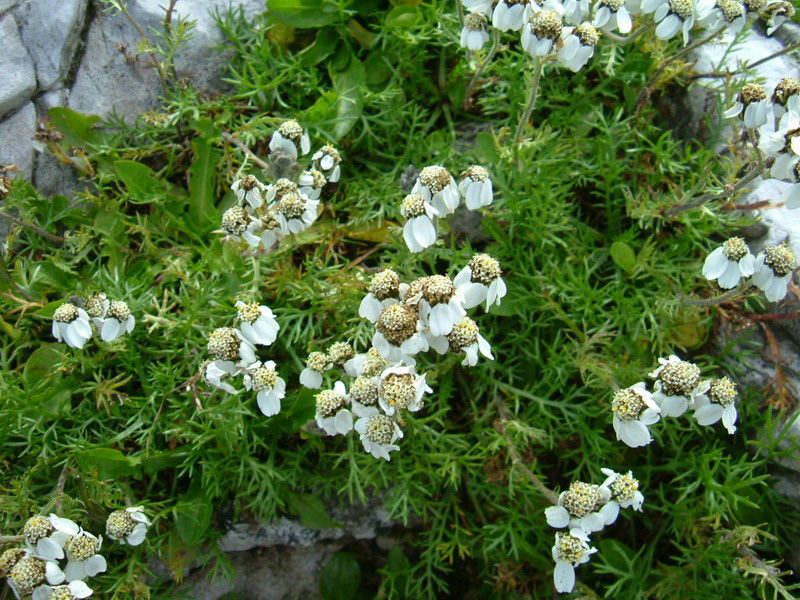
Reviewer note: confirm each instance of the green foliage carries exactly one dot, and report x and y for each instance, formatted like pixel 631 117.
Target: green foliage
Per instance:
pixel 595 275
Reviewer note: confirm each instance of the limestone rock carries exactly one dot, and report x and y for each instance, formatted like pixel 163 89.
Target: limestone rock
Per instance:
pixel 19 79
pixel 50 31
pixel 7 5
pixel 16 147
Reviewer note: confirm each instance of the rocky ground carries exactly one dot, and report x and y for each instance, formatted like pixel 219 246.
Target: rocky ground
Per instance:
pixel 71 53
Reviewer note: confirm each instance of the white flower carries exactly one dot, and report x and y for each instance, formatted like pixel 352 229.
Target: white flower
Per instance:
pixel 612 15
pixel 786 96
pixel 333 414
pixel 128 526
pixel 718 403
pixel 117 322
pixel 578 46
pixel 271 234
pixel 74 589
pixel 481 280
pixel 579 508
pixel 729 263
pixel 384 289
pixel 401 388
pixel 474 34
pixel 751 104
pixel 576 11
pixel 316 364
pixel 777 13
pixel 623 491
pixel 438 187
pixel 71 325
pixel 371 364
pixel 271 388
pixel 238 224
pixel 295 212
pixel 378 432
pixel 786 139
pixel 514 17
pixel 570 550
pixel 787 168
pixel 481 6
pixel 674 16
pixel 29 572
pixel 258 325
pixel 543 30
pixel 634 410
pixel 440 303
pixel 311 183
pixel 476 187
pixel 465 337
pixel 398 333
pixel 43 539
pixel 288 138
pixel 83 558
pixel 677 384
pixel 250 190
pixel 729 14
pixel 419 232
pixel 773 271
pixel 227 343
pixel 215 371
pixel 327 160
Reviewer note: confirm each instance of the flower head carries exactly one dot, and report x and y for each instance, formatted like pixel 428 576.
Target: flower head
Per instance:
pixel 633 411
pixel 438 187
pixel 248 190
pixel 71 325
pixel 570 550
pixel 476 187
pixel 117 322
pixel 327 160
pixel 27 574
pixel 127 526
pixel 719 402
pixel 676 385
pixel 729 263
pixel 257 324
pixel 316 364
pixel 225 343
pixel 333 414
pixel 289 138
pixel 579 507
pixel 474 34
pixel 264 379
pixel 378 433
pixel 466 337
pixel 773 270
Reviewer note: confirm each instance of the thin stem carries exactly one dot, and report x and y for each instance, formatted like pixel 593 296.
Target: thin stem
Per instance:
pixel 517 460
pixel 11 539
pixel 244 149
pixel 538 65
pixel 627 39
pixel 31 226
pixel 460 10
pixel 644 95
pixel 730 190
pixel 761 61
pixel 729 295
pixel 486 60
pixel 156 64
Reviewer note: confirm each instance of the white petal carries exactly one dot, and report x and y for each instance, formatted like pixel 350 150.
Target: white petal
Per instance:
pixel 557 516
pixel 79 589
pixel 136 537
pixel 715 264
pixel 708 414
pixel 110 330
pixel 564 577
pixel 343 421
pixel 53 573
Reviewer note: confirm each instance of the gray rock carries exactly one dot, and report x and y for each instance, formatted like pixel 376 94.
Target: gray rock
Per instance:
pixel 110 77
pixel 19 79
pixel 50 31
pixel 277 573
pixel 788 437
pixel 7 5
pixel 16 147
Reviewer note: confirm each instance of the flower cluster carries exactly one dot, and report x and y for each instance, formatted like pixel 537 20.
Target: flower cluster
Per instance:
pixel 771 270
pixel 265 214
pixel 782 142
pixel 233 352
pixel 376 395
pixel 35 569
pixel 584 509
pixel 75 321
pixel 435 196
pixel 431 312
pixel 678 387
pixel 569 30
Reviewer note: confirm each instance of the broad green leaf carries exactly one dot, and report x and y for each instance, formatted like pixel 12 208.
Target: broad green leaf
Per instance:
pixel 201 182
pixel 321 109
pixel 78 129
pixel 323 46
pixel 108 462
pixel 43 362
pixel 304 13
pixel 349 97
pixel 403 17
pixel 375 69
pixel 51 275
pixel 108 223
pixel 311 511
pixel 624 256
pixel 340 578
pixel 162 460
pixel 486 148
pixel 140 179
pixel 192 520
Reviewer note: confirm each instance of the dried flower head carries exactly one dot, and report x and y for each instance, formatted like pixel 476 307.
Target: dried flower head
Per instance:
pixel 36 528
pixel 9 559
pixel 679 378
pixel 235 220
pixel 119 524
pixel 484 269
pixel 66 313
pixel 330 402
pixel 435 178
pixel 380 429
pixel 27 574
pixel 385 285
pixel 364 390
pixel 464 333
pixel 340 353
pixel 546 24
pixel 95 305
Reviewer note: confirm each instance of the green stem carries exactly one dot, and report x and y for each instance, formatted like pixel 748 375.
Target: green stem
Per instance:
pixel 729 295
pixel 487 59
pixel 538 65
